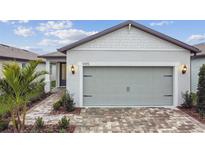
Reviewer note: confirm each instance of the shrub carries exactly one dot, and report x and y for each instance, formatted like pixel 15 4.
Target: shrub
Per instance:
pixel 68 102
pixel 53 84
pixel 56 105
pixel 39 94
pixel 39 123
pixel 62 131
pixel 201 90
pixel 4 124
pixel 64 123
pixel 201 113
pixel 194 99
pixel 188 99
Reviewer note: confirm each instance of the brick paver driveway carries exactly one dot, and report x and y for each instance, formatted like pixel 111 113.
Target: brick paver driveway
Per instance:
pixel 118 119
pixel 139 120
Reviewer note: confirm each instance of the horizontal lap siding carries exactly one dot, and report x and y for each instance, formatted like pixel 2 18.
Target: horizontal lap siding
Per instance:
pixel 128 39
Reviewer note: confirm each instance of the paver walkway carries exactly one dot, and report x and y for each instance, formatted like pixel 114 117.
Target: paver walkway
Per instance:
pixel 119 119
pixel 44 108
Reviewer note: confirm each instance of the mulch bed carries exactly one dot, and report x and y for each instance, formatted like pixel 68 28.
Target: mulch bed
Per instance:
pixel 46 129
pixel 63 111
pixel 192 112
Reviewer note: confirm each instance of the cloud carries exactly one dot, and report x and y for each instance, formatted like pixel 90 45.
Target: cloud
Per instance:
pixel 161 23
pixel 18 21
pixel 196 38
pixel 60 33
pixel 72 34
pixel 34 49
pixel 23 21
pixel 64 37
pixel 23 31
pixel 53 25
pixel 4 21
pixel 15 21
pixel 54 42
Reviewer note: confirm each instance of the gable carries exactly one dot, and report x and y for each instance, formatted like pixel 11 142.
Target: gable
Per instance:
pixel 127 39
pixel 129 24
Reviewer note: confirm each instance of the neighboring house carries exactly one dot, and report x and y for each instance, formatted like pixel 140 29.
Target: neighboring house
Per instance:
pixel 8 53
pixel 126 65
pixel 196 62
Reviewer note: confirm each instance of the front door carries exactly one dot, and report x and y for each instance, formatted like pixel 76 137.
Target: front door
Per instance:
pixel 62 74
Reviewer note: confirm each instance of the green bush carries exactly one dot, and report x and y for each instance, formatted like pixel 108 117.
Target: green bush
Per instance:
pixel 68 102
pixel 39 123
pixel 64 123
pixel 62 131
pixel 194 99
pixel 4 124
pixel 56 105
pixel 201 90
pixel 188 99
pixel 53 84
pixel 40 93
pixel 201 113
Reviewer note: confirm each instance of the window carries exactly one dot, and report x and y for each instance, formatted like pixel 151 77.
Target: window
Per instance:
pixel 23 65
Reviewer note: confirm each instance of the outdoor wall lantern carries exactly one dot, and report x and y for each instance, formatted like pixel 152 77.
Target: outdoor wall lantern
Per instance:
pixel 73 69
pixel 184 69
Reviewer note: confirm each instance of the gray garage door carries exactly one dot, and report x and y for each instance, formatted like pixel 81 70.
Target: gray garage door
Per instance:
pixel 128 86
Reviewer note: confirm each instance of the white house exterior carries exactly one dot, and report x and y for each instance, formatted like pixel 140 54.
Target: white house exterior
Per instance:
pixel 128 65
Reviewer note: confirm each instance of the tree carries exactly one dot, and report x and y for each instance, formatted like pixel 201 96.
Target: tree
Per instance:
pixel 17 87
pixel 201 90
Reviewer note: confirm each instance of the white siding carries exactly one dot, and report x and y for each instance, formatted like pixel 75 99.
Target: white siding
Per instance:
pixel 127 39
pixel 195 67
pixel 42 67
pixel 127 46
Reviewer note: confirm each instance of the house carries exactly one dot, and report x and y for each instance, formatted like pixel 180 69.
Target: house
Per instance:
pixel 196 62
pixel 8 53
pixel 57 59
pixel 126 65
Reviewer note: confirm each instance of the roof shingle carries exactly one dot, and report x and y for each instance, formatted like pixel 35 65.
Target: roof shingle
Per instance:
pixel 8 52
pixel 53 55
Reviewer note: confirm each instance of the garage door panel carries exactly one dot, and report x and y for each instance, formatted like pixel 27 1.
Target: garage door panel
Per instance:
pixel 124 86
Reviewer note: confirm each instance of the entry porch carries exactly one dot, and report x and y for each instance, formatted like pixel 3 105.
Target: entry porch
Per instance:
pixel 56 68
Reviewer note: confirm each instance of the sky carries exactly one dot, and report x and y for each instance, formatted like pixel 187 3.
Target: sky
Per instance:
pixel 43 36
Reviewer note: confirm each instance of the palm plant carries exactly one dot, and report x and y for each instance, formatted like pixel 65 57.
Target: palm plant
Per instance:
pixel 17 87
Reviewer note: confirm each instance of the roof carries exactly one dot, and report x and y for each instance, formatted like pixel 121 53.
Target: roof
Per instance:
pixel 12 53
pixel 201 47
pixel 53 55
pixel 136 25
